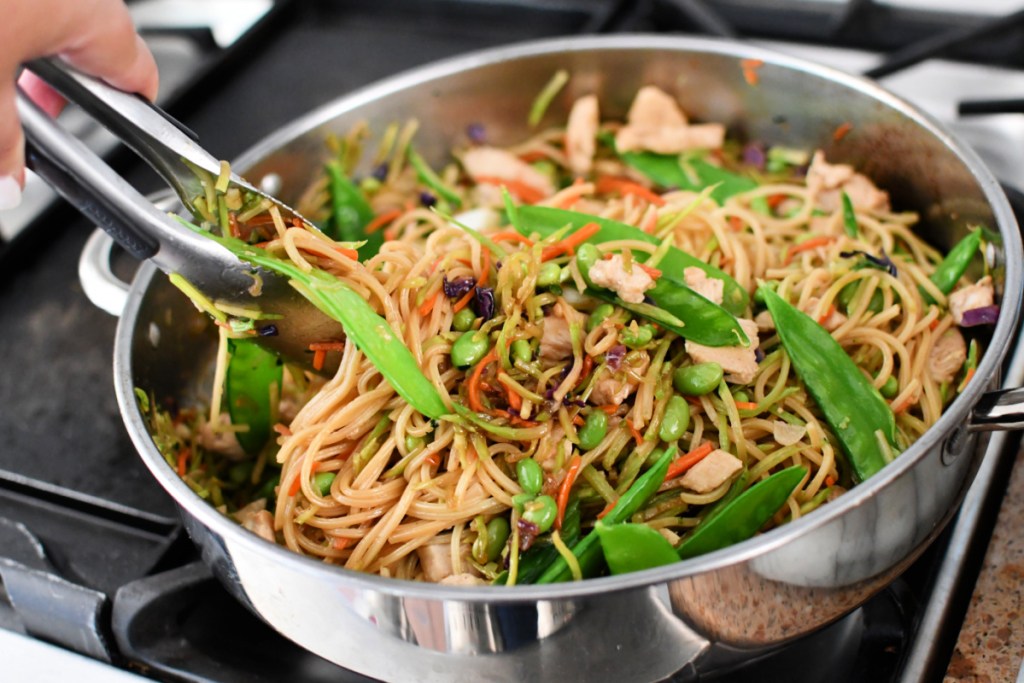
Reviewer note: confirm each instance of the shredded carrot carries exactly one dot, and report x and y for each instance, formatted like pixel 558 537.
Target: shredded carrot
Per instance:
pixel 485 266
pixel 294 488
pixel 428 304
pixel 968 377
pixel 637 436
pixel 933 324
pixel 841 131
pixel 511 236
pixel 327 346
pixel 746 405
pixel 776 199
pixel 341 542
pixel 282 429
pixel 607 184
pixel 610 409
pixel 750 67
pixel 464 301
pixel 830 480
pixel 827 314
pixel 807 245
pixel 577 420
pixel 348 253
pixel 382 219
pixel 607 509
pixel 572 241
pixel 525 192
pixel 183 456
pixel 689 460
pixel 515 401
pixel 532 156
pixel 319 356
pixel 588 365
pixel 434 459
pixel 563 491
pixel 905 404
pixel 473 386
pixel 653 272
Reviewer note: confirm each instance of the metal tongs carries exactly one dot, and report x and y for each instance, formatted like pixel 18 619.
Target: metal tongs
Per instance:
pixel 95 189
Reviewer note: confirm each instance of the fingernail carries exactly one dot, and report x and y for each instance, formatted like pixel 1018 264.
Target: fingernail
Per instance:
pixel 10 193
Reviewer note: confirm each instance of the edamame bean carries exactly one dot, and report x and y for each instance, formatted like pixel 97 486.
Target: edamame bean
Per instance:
pixel 469 349
pixel 413 442
pixel 541 511
pixel 521 499
pixel 675 421
pixel 497 535
pixel 741 397
pixel 641 336
pixel 593 430
pixel 599 315
pixel 521 350
pixel 549 274
pixel 322 482
pixel 464 319
pixel 697 380
pixel 890 388
pixel 530 475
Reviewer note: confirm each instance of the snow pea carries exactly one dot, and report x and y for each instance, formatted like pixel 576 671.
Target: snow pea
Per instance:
pixel 371 333
pixel 251 372
pixel 588 549
pixel 849 217
pixel 350 212
pixel 545 220
pixel 633 547
pixel 953 267
pixel 858 415
pixel 741 519
pixel 667 171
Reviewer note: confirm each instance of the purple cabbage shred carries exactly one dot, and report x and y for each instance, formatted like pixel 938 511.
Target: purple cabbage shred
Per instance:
pixel 527 534
pixel 380 171
pixel 613 357
pixel 456 289
pixel 882 262
pixel 754 154
pixel 427 199
pixel 483 302
pixel 758 355
pixel 476 133
pixel 985 315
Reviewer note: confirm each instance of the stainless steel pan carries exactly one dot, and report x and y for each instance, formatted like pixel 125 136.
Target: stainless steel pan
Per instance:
pixel 701 615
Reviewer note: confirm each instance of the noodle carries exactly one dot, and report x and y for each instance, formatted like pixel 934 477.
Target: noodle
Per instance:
pixel 369 483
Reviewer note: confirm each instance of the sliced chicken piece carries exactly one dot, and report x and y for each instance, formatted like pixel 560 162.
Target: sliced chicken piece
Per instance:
pixel 614 388
pixel 978 295
pixel 436 561
pixel 656 123
pixel 834 318
pixel 947 356
pixel 764 321
pixel 714 470
pixel 491 162
pixel 581 134
pixel 828 181
pixel 711 288
pixel 787 434
pixel 220 440
pixel 556 340
pixel 739 362
pixel 630 284
pixel 257 519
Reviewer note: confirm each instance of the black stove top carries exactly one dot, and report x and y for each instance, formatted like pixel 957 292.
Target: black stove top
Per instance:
pixel 92 556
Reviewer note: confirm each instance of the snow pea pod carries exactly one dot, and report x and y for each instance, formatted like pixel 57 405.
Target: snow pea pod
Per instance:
pixel 853 408
pixel 633 547
pixel 953 267
pixel 545 220
pixel 588 549
pixel 251 373
pixel 350 212
pixel 741 519
pixel 666 170
pixel 371 333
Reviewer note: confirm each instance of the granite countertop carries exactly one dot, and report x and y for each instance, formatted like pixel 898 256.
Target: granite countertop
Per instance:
pixel 990 647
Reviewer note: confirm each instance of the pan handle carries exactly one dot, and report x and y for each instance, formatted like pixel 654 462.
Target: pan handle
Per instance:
pixel 104 290
pixel 998 411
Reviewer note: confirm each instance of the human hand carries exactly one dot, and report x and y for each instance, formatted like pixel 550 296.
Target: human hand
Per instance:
pixel 96 36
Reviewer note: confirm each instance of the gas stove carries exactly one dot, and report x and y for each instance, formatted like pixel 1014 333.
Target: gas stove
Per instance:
pixel 96 570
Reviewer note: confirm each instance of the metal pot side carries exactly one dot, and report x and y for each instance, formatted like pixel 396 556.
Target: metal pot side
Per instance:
pixel 707 613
